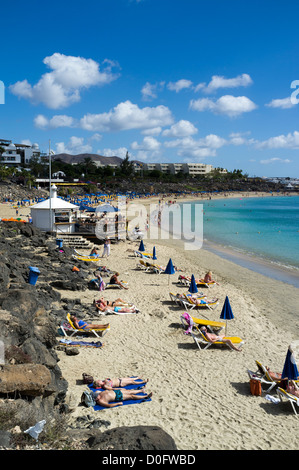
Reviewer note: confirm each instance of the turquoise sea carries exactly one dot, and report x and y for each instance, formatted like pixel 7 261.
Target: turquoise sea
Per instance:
pixel 260 233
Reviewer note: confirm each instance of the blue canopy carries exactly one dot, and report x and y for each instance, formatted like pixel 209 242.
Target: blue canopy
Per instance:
pixel 290 370
pixel 87 208
pixel 169 268
pixel 154 253
pixel 226 313
pixel 106 208
pixel 141 246
pixel 193 287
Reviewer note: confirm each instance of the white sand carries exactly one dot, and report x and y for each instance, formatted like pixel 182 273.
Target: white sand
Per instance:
pixel 201 398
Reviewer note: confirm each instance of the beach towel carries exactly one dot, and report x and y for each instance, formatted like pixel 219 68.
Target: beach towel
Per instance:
pixel 126 402
pixel 88 344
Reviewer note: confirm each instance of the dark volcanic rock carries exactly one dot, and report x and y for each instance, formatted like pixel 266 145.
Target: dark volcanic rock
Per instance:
pixel 132 438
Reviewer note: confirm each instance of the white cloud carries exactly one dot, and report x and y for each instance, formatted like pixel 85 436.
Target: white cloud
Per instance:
pixel 152 131
pixel 127 116
pixel 240 138
pixel 56 121
pixel 179 85
pixel 290 141
pixel 275 160
pixel 180 129
pixel 229 105
pixel 150 91
pixel 222 82
pixel 284 103
pixel 75 146
pixel 148 144
pixel 198 149
pixel 62 86
pixel 108 152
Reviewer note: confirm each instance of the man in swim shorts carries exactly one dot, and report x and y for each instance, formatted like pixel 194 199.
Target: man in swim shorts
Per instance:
pixel 119 396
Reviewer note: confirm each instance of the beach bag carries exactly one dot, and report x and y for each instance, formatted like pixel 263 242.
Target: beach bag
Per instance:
pixel 255 387
pixel 87 399
pixel 87 379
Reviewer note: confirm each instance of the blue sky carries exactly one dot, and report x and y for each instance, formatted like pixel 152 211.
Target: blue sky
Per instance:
pixel 165 80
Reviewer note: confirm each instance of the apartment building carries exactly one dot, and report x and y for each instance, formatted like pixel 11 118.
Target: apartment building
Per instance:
pixel 18 154
pixel 192 169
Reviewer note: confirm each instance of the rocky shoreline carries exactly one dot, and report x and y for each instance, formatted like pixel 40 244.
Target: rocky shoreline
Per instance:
pixel 32 387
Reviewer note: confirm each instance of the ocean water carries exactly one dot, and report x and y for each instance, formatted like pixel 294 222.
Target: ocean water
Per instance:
pixel 261 228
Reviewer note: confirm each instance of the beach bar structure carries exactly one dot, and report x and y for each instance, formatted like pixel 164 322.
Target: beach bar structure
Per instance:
pixel 54 214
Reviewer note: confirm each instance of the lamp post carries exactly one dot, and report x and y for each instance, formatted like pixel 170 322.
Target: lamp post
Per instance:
pixel 50 205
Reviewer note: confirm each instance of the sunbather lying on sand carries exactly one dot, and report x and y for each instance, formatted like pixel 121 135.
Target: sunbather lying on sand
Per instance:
pixel 119 396
pixel 110 384
pixel 108 303
pixel 80 324
pixel 213 338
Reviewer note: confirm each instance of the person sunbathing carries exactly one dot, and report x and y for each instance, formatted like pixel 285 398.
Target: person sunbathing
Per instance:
pixel 213 338
pixel 293 389
pixel 115 303
pixel 121 309
pixel 82 325
pixel 119 396
pixel 276 376
pixel 110 384
pixel 94 252
pixel 208 278
pixel 114 280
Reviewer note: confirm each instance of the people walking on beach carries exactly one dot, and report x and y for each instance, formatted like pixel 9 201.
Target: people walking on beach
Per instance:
pixel 106 250
pixel 80 324
pixel 110 384
pixel 213 338
pixel 117 397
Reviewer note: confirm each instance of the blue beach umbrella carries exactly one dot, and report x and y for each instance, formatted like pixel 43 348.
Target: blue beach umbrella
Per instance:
pixel 141 246
pixel 169 269
pixel 290 370
pixel 226 313
pixel 154 253
pixel 193 287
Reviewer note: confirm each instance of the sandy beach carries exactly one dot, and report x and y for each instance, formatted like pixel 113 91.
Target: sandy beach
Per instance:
pixel 200 397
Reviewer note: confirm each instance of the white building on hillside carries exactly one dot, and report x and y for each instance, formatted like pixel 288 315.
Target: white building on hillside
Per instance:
pixel 18 154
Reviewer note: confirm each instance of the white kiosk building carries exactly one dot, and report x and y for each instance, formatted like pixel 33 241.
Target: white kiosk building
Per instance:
pixel 54 214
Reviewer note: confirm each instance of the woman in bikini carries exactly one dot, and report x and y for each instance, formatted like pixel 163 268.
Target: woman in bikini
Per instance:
pixel 82 325
pixel 110 384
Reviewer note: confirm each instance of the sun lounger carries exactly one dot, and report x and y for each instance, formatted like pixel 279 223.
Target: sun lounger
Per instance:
pixel 203 343
pixel 86 258
pixel 283 394
pixel 262 375
pixel 188 302
pixel 177 299
pixel 140 254
pixel 193 323
pixel 185 280
pixel 70 327
pixel 151 267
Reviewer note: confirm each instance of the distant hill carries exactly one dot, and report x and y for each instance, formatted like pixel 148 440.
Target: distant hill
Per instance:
pixel 65 157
